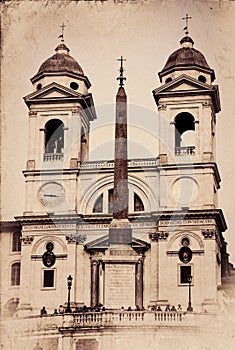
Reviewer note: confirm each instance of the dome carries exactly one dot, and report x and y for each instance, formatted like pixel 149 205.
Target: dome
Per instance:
pixel 61 61
pixel 186 57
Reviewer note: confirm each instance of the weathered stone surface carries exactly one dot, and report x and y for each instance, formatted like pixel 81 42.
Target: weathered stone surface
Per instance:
pixel 119 285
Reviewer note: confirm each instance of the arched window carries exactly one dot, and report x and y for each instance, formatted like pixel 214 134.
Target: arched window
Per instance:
pixel 104 203
pixel 54 140
pixel 98 207
pixel 184 134
pixel 138 204
pixel 15 274
pixel 16 242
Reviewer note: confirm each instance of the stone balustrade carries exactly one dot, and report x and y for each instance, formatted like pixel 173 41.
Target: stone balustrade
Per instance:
pixel 47 157
pixel 80 320
pixel 182 151
pixel 110 164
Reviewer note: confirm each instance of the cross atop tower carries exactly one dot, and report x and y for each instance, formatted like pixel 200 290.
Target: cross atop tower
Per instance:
pixel 186 20
pixel 62 32
pixel 121 78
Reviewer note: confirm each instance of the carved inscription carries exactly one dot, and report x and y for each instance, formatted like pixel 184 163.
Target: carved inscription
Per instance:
pixel 185 222
pixel 119 285
pixel 49 226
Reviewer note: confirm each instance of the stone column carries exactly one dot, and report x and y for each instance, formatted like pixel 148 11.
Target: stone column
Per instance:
pixel 94 282
pixel 139 283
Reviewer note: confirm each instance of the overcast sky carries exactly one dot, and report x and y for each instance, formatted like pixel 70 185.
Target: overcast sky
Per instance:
pixel 97 33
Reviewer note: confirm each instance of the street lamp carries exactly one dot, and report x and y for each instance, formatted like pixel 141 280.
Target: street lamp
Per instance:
pixel 189 308
pixel 69 284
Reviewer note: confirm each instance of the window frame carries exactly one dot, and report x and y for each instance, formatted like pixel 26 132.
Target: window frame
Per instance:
pixel 13 242
pixel 179 273
pixel 16 276
pixel 43 278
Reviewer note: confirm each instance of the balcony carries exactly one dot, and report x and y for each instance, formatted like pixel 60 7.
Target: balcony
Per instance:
pixel 182 151
pixel 95 320
pixel 49 157
pixel 125 318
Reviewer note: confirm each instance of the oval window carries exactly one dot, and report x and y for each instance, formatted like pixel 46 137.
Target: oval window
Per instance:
pixel 202 79
pixel 74 85
pixel 168 80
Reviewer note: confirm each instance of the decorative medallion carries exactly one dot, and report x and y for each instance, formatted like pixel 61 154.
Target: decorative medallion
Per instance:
pixel 49 257
pixel 185 254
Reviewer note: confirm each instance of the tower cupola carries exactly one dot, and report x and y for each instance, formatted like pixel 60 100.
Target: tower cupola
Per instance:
pixel 63 69
pixel 61 61
pixel 187 60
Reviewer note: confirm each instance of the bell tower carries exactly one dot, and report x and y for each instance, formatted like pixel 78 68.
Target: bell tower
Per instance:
pixel 191 223
pixel 188 101
pixel 60 112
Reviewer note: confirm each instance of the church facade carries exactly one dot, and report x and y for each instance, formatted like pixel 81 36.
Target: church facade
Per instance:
pixel 120 247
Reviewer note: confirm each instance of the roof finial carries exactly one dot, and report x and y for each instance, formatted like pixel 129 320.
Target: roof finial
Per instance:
pixel 62 32
pixel 121 78
pixel 186 27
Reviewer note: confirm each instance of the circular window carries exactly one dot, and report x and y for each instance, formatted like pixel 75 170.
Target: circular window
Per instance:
pixel 39 86
pixel 168 80
pixel 202 78
pixel 74 85
pixel 185 242
pixel 49 246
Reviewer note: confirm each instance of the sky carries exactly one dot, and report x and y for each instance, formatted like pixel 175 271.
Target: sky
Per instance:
pixel 145 32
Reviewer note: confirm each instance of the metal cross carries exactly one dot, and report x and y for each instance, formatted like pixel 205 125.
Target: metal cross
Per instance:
pixel 186 19
pixel 62 31
pixel 121 78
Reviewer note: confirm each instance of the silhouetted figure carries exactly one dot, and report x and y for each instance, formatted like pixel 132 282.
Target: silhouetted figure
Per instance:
pixel 61 309
pixel 167 308
pixel 37 347
pixel 179 307
pixel 85 308
pixel 173 308
pixel 43 311
pixel 137 308
pixel 55 312
pixel 129 308
pixel 159 308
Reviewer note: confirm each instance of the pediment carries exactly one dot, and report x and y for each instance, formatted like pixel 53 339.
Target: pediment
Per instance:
pixel 52 91
pixel 102 243
pixel 183 83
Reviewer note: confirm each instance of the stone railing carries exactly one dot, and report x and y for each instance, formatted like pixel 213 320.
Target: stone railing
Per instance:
pixel 125 318
pixel 110 163
pixel 48 157
pixel 182 151
pixel 80 320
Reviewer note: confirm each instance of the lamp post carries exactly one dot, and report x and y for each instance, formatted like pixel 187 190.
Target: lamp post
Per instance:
pixel 69 284
pixel 189 308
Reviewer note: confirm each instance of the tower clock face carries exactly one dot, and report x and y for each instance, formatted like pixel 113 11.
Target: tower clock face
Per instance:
pixel 51 194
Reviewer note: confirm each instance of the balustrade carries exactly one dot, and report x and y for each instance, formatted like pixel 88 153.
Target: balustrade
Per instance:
pixel 110 164
pixel 52 156
pixel 181 151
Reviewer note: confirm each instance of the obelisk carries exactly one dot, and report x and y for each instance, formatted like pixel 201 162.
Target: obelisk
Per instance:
pixel 120 231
